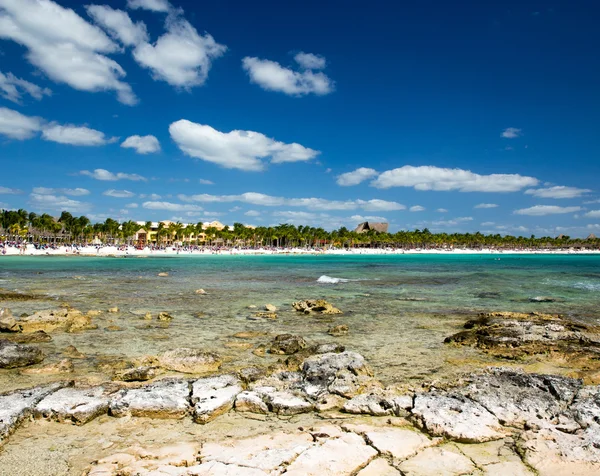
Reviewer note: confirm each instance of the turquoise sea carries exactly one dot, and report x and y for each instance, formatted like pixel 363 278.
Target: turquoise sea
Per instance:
pixel 399 307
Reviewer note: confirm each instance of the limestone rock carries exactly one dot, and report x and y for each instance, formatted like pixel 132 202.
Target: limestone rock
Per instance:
pixel 264 315
pixel 270 308
pixel 287 344
pixel 63 319
pixel 586 407
pixel 136 374
pixel 16 406
pixel 73 405
pixel 251 402
pixel 373 404
pixel 65 366
pixel 7 322
pixel 164 316
pixel 18 355
pixel 286 403
pixel 200 291
pixel 72 352
pixel 378 467
pixel 327 349
pixel 439 461
pixel 338 331
pixel 455 417
pixel 315 305
pixel 163 275
pixel 251 374
pixel 344 455
pixel 113 310
pixel 265 452
pixel 164 399
pixel 214 396
pixel 193 361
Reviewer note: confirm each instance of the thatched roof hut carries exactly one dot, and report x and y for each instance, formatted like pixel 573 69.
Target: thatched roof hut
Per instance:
pixel 591 237
pixel 369 225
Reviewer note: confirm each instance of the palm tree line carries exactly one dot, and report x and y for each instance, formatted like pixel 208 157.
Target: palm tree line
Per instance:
pixel 20 225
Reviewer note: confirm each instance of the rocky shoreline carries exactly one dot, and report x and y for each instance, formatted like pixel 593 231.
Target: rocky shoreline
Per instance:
pixel 498 421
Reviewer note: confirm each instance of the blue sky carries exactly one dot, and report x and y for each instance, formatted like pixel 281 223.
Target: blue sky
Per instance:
pixel 456 116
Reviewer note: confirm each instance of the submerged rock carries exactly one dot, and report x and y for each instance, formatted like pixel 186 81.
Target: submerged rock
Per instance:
pixel 287 344
pixel 270 308
pixel 192 361
pixel 214 396
pixel 65 366
pixel 338 331
pixel 164 399
pixel 72 352
pixel 7 322
pixel 164 316
pixel 33 338
pixel 18 355
pixel 76 405
pixel 263 315
pixel 63 319
pixel 315 305
pixel 137 374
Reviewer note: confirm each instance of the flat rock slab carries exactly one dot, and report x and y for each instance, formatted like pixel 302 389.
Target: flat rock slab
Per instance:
pixel 18 355
pixel 76 405
pixel 344 455
pixel 379 467
pixel 456 417
pixel 286 403
pixel 439 461
pixel 519 399
pixel 264 452
pixel 16 406
pixel 251 402
pixel 192 361
pixel 164 399
pixel 214 396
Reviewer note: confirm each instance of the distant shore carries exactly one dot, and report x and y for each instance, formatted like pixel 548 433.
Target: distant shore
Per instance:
pixel 123 251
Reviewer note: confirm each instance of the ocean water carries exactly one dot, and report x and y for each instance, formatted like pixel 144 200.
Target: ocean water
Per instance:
pixel 399 307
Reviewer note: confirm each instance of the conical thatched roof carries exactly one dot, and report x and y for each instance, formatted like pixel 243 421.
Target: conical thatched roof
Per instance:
pixel 591 237
pixel 369 225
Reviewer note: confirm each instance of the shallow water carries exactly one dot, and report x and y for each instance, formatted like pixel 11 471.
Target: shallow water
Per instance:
pixel 399 307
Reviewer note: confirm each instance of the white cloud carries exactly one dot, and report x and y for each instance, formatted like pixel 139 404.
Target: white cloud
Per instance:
pixel 488 223
pixel 558 192
pixel 142 144
pixel 486 205
pixel 102 174
pixel 429 177
pixel 236 149
pixel 13 88
pixel 310 61
pixel 118 193
pixel 361 218
pixel 452 222
pixel 511 133
pixel 152 196
pixel 74 135
pixel 15 125
pixel 75 192
pixel 377 205
pixel 271 76
pixel 173 207
pixel 356 176
pixel 64 46
pixel 541 210
pixel 591 202
pixel 254 198
pixel 10 191
pixel 416 208
pixel 118 24
pixel 593 214
pixel 181 56
pixel 152 5
pixel 205 182
pixel 132 205
pixel 57 203
pixel 252 213
pixel 442 210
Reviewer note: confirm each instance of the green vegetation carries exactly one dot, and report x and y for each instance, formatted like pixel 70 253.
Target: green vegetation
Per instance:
pixel 18 225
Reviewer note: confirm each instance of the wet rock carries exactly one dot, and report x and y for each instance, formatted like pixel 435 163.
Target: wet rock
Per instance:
pixel 344 455
pixel 270 308
pixel 264 452
pixel 441 461
pixel 164 316
pixel 113 328
pixel 522 400
pixel 286 403
pixel 328 349
pixel 251 374
pixel 251 402
pixel 7 322
pixel 15 296
pixel 18 355
pixel 33 338
pixel 544 299
pixel 264 315
pixel 164 399
pixel 65 366
pixel 163 275
pixel 17 406
pixel 200 291
pixel 148 316
pixel 455 417
pixel 488 295
pixel 63 319
pixel 137 374
pixel 338 331
pixel 72 352
pixel 113 310
pixel 214 396
pixel 76 405
pixel 193 361
pixel 586 407
pixel 287 344
pixel 315 305
pixel 238 345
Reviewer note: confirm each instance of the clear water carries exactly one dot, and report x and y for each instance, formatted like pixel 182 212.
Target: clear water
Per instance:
pixel 399 308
